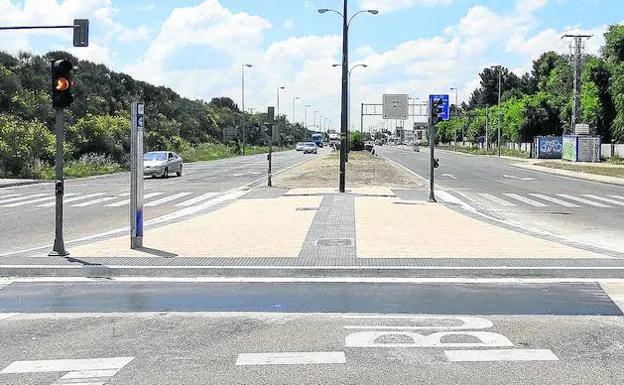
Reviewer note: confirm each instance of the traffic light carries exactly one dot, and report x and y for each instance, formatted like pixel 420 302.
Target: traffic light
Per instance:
pixel 61 83
pixel 437 110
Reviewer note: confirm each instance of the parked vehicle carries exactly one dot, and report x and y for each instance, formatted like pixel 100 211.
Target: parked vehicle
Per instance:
pixel 162 164
pixel 299 146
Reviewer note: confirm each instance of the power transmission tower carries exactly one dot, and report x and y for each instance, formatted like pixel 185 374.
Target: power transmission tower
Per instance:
pixel 576 47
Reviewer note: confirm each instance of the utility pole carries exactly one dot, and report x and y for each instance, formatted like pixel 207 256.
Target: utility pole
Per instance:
pixel 487 127
pixel 577 66
pixel 500 75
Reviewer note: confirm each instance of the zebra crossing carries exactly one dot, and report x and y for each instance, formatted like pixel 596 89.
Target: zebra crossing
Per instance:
pixel 151 199
pixel 542 200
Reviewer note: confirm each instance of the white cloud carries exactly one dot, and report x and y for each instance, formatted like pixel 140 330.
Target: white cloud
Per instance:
pixel 288 24
pixel 386 6
pixel 528 6
pixel 95 53
pixel 141 33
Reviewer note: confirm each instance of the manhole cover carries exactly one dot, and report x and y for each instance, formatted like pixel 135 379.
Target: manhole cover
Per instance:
pixel 334 242
pixel 307 209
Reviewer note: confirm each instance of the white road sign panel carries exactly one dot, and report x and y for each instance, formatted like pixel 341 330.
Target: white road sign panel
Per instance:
pixel 395 106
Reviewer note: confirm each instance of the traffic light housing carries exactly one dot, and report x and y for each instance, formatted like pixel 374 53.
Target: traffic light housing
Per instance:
pixel 62 83
pixel 437 111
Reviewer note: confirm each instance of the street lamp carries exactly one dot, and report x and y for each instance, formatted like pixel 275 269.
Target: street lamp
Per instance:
pixel 305 118
pixel 344 115
pixel 278 95
pixel 315 115
pixel 294 110
pixel 243 103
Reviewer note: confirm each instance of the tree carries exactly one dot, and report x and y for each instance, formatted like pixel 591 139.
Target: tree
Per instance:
pixel 614 56
pixel 596 101
pixel 22 145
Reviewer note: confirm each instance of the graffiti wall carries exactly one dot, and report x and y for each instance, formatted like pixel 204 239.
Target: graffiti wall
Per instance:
pixel 569 148
pixel 549 147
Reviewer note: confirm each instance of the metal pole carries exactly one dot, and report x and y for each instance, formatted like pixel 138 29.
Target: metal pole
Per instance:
pixel 362 118
pixel 487 128
pixel 270 159
pixel 58 250
pixel 500 70
pixel 278 111
pixel 431 159
pixel 344 102
pixel 243 103
pixel 136 177
pixel 315 117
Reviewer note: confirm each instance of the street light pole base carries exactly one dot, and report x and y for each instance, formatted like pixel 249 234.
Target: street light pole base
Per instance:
pixel 59 249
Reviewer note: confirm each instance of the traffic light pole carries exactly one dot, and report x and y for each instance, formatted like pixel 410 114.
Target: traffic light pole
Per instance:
pixel 431 160
pixel 58 250
pixel 270 159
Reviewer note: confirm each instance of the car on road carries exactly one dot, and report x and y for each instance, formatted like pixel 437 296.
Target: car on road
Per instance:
pixel 162 164
pixel 299 146
pixel 310 148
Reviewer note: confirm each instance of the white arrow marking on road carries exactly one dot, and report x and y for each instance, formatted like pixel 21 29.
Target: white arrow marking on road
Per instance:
pixel 554 200
pixel 450 176
pixel 586 201
pixel 518 178
pixel 500 355
pixel 617 203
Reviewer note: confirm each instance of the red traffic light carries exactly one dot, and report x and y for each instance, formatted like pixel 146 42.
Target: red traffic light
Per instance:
pixel 62 84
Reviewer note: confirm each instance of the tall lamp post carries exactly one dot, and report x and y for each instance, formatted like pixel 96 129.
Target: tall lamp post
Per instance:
pixel 315 116
pixel 305 115
pixel 344 115
pixel 243 103
pixel 278 96
pixel 294 118
pixel 456 113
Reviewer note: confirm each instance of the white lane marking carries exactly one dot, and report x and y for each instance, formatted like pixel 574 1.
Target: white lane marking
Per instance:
pixel 166 199
pixel 497 200
pixel 617 196
pixel 500 355
pixel 518 178
pixel 554 200
pixel 196 200
pixel 24 198
pixel 528 201
pixel 612 201
pixel 127 201
pixel 51 204
pixel 40 366
pixel 374 339
pixel 463 323
pixel 24 203
pixel 94 202
pixel 449 198
pixel 4 316
pixel 450 176
pixel 3 197
pixel 585 201
pixel 415 281
pixel 291 358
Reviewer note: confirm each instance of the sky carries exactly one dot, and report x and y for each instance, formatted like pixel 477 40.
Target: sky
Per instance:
pixel 415 47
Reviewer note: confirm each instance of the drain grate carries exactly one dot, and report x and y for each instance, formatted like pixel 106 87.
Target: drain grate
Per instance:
pixel 328 242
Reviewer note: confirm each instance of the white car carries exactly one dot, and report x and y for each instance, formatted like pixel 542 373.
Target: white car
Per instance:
pixel 162 164
pixel 309 148
pixel 299 146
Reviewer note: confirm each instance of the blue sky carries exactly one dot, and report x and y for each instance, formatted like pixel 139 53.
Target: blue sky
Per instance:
pixel 418 47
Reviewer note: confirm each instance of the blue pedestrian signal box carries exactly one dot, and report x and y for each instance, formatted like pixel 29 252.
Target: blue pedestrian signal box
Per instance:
pixel 443 105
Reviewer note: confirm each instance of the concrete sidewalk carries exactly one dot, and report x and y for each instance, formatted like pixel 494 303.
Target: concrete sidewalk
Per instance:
pixel 320 224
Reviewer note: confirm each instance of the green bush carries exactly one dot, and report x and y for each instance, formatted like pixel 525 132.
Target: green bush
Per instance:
pixel 356 141
pixel 87 165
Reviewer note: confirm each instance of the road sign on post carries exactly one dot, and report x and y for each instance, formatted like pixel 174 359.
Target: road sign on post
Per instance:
pixel 136 176
pixel 395 106
pixel 442 103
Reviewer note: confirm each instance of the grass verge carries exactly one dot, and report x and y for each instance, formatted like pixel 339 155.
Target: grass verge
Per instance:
pixel 482 151
pixel 617 172
pixel 363 170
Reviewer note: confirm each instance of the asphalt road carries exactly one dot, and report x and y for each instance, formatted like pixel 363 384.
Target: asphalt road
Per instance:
pixel 579 210
pixel 140 341
pixel 100 204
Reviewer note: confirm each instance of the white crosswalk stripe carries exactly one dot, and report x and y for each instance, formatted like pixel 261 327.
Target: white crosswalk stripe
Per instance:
pixel 94 202
pixel 196 200
pixel 3 197
pixel 75 199
pixel 583 200
pixel 166 199
pixel 127 201
pixel 612 201
pixel 23 198
pixel 528 201
pixel 554 200
pixel 617 196
pixel 497 200
pixel 24 203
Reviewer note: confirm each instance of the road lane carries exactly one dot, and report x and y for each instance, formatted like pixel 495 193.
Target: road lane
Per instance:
pixel 571 208
pixel 99 204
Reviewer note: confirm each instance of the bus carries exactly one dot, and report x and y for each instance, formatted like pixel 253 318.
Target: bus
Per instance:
pixel 317 139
